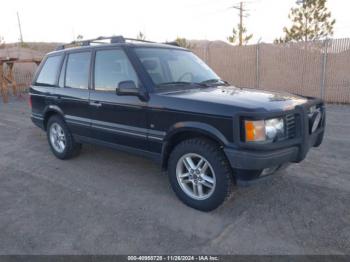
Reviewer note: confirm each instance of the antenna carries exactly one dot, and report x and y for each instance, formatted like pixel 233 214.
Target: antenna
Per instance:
pixel 20 29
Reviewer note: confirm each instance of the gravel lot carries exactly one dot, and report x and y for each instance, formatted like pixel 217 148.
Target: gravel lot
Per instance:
pixel 109 202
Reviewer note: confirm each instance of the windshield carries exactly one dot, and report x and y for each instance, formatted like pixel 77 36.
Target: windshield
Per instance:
pixel 171 67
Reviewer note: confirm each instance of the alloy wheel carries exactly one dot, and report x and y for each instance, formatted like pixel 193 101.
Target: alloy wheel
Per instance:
pixel 195 176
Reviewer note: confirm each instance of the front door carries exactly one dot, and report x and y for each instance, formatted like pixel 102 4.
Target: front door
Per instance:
pixel 116 119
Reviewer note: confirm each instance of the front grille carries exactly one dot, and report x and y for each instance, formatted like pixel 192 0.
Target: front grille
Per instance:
pixel 290 126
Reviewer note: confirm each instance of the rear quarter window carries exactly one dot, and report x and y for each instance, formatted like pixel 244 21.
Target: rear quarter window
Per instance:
pixel 49 72
pixel 77 70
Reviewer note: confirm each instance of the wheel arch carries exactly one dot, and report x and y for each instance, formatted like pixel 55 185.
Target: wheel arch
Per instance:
pixel 187 130
pixel 50 111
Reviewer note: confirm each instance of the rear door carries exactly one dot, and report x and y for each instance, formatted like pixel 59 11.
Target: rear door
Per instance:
pixel 43 88
pixel 72 96
pixel 116 119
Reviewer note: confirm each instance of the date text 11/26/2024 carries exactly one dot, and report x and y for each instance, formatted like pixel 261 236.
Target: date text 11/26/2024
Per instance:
pixel 173 258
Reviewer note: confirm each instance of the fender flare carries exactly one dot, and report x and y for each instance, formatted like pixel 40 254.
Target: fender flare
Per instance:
pixel 50 109
pixel 198 127
pixel 189 126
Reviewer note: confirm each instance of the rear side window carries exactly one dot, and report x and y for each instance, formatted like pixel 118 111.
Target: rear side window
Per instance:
pixel 77 70
pixel 111 68
pixel 49 71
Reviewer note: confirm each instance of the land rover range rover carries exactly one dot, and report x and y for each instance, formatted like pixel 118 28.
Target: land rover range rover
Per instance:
pixel 162 101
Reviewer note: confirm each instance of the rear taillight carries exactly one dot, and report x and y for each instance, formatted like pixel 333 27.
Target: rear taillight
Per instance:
pixel 30 101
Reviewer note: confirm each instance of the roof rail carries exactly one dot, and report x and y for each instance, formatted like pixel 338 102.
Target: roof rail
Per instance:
pixel 139 40
pixel 113 40
pixel 172 43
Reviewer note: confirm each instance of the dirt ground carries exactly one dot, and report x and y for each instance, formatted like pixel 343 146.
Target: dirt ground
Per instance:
pixel 109 202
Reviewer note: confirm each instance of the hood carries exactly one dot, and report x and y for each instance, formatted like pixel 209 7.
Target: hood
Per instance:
pixel 242 97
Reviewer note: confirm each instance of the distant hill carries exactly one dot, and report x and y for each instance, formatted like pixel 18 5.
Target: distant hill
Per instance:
pixel 24 71
pixel 29 50
pixel 205 43
pixel 37 50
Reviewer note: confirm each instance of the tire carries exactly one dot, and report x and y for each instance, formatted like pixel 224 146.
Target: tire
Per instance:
pixel 217 174
pixel 319 140
pixel 68 148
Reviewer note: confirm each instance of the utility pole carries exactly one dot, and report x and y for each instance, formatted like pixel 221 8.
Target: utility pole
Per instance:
pixel 240 23
pixel 241 15
pixel 20 29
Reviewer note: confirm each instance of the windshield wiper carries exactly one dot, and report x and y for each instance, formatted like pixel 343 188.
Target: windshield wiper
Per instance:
pixel 206 83
pixel 174 83
pixel 214 81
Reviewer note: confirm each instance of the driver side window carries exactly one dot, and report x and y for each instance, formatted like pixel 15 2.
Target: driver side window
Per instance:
pixel 183 69
pixel 111 68
pixel 154 69
pixel 178 70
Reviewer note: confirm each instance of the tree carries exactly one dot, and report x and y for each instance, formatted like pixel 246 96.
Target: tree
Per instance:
pixel 80 37
pixel 235 37
pixel 183 42
pixel 141 36
pixel 311 21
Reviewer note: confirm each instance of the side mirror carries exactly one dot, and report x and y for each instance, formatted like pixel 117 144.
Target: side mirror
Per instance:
pixel 127 88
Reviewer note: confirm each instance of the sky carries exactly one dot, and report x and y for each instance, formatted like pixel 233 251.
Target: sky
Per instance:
pixel 159 20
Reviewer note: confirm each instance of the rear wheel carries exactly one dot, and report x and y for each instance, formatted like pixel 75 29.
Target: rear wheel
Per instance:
pixel 60 139
pixel 199 174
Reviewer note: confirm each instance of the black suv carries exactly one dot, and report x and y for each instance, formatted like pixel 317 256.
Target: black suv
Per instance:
pixel 162 101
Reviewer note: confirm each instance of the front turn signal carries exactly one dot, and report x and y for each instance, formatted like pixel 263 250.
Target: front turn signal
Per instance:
pixel 254 130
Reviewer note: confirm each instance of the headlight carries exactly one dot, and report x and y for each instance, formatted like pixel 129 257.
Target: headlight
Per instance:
pixel 264 130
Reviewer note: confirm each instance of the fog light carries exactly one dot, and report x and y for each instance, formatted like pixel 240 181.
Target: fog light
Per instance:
pixel 269 170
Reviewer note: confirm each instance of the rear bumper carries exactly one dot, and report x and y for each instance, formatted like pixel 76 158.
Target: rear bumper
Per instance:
pixel 38 121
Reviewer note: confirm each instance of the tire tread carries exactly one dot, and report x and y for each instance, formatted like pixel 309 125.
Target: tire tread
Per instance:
pixel 216 154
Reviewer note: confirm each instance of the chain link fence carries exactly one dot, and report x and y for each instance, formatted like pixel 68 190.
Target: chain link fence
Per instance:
pixel 319 68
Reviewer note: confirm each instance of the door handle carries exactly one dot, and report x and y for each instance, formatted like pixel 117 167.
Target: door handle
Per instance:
pixel 95 103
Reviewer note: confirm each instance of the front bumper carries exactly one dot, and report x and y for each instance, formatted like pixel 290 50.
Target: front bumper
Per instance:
pixel 259 157
pixel 257 160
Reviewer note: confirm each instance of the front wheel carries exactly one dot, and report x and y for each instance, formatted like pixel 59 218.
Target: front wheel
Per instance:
pixel 200 174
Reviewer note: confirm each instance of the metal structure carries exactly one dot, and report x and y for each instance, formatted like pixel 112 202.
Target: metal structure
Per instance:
pixel 7 76
pixel 20 29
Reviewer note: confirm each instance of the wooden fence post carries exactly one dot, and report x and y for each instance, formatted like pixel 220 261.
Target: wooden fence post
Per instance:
pixel 3 85
pixel 11 80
